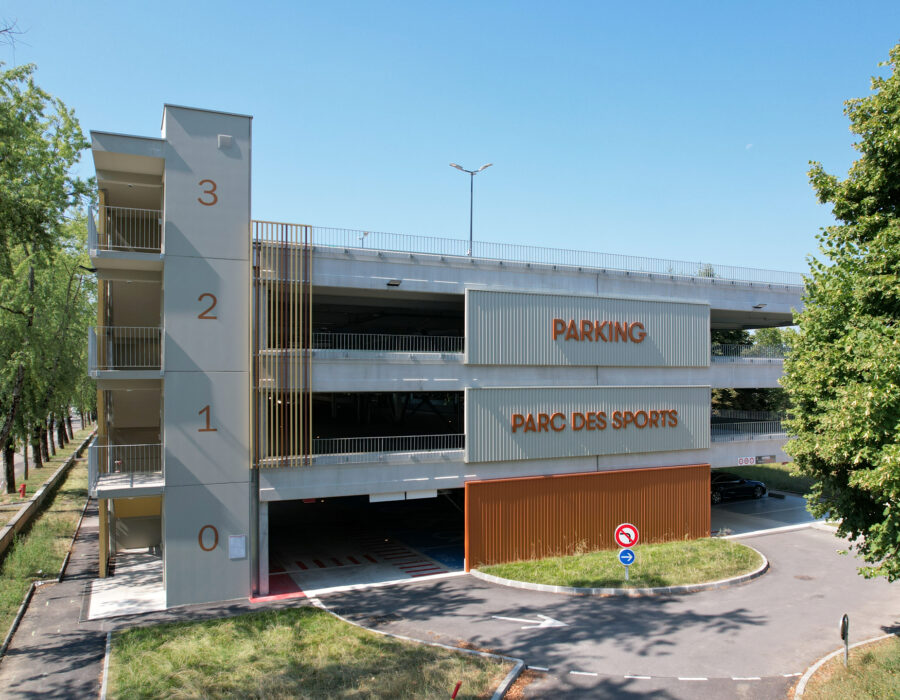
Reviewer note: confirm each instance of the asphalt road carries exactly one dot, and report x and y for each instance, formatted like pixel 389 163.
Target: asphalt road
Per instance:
pixel 749 641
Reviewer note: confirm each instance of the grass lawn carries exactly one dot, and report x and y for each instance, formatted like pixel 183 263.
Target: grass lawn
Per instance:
pixel 39 552
pixel 290 653
pixel 774 476
pixel 36 477
pixel 873 674
pixel 668 564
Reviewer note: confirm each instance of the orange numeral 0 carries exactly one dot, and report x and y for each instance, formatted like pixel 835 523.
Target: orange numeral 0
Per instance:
pixel 207 429
pixel 211 192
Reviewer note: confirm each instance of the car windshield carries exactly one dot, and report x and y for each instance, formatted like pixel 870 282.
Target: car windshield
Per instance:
pixel 725 476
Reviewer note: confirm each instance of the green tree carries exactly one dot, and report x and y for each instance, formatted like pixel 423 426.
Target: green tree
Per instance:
pixel 843 372
pixel 40 142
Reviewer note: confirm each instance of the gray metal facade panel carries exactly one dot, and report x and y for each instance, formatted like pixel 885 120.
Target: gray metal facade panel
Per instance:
pixel 490 414
pixel 517 328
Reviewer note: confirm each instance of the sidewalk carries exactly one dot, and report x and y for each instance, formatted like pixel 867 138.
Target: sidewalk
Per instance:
pixel 52 655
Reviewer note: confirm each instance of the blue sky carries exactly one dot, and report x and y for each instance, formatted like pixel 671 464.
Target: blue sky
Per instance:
pixel 675 130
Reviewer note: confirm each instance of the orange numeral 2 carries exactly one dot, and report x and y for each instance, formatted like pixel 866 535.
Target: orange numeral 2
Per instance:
pixel 204 314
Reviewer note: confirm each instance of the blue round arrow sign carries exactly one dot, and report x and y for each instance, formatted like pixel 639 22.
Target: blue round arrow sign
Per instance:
pixel 626 557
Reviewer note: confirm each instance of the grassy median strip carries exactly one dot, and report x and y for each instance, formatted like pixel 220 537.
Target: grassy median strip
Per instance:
pixel 779 477
pixel 36 477
pixel 292 653
pixel 873 674
pixel 668 564
pixel 39 552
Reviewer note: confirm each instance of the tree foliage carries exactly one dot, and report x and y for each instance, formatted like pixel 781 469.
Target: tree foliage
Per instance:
pixel 45 300
pixel 843 372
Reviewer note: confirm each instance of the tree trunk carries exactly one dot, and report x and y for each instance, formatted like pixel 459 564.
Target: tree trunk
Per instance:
pixel 61 436
pixel 9 466
pixel 36 447
pixel 51 428
pixel 69 425
pixel 45 448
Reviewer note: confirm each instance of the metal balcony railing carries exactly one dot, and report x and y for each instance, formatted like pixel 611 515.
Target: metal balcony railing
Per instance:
pixel 124 348
pixel 739 353
pixel 702 272
pixel 124 229
pixel 755 430
pixel 126 462
pixel 392 443
pixel 387 343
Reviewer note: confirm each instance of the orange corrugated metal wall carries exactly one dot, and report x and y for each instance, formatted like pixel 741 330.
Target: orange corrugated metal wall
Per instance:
pixel 534 517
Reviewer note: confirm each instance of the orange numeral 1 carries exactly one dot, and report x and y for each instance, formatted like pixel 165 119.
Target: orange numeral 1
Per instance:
pixel 207 429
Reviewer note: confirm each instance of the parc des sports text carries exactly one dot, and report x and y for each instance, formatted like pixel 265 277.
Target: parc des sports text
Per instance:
pixel 593 420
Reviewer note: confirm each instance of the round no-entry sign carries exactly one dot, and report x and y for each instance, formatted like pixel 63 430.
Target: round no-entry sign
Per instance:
pixel 627 535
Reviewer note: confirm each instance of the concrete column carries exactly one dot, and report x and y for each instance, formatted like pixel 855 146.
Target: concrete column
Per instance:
pixel 263 548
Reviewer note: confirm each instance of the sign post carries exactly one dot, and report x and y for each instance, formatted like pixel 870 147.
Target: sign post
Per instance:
pixel 845 637
pixel 626 536
pixel 626 558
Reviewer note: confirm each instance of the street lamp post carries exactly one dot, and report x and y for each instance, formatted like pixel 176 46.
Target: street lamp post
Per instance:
pixel 472 174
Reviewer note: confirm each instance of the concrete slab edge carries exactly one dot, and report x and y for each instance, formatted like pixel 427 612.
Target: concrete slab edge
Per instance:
pixel 502 689
pixel 801 685
pixel 104 681
pixel 630 592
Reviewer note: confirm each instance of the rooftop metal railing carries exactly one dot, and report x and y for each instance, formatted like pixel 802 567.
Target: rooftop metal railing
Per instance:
pixel 723 414
pixel 737 432
pixel 387 343
pixel 699 271
pixel 124 348
pixel 125 229
pixel 127 461
pixel 739 353
pixel 390 443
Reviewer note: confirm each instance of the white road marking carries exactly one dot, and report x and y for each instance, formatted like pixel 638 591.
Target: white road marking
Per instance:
pixel 533 624
pixel 640 678
pixel 582 673
pixel 791 675
pixel 773 530
pixel 539 668
pixel 748 678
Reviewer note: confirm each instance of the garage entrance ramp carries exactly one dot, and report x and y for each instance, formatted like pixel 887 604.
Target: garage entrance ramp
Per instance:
pixel 337 563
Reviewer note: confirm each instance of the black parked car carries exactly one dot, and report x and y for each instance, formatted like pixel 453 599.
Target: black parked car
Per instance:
pixel 726 485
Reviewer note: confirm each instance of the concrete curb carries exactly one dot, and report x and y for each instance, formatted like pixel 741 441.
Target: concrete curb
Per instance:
pixel 104 683
pixel 502 689
pixel 630 592
pixel 801 685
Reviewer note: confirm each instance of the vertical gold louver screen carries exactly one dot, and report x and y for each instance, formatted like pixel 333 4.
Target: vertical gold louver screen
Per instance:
pixel 282 335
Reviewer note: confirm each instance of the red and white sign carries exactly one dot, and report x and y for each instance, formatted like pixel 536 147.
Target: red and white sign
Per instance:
pixel 746 460
pixel 627 535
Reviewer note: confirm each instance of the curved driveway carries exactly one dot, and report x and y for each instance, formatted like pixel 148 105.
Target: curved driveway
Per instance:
pixel 748 641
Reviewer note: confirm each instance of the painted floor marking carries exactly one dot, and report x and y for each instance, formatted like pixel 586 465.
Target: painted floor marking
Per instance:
pixel 540 668
pixel 583 673
pixel 640 678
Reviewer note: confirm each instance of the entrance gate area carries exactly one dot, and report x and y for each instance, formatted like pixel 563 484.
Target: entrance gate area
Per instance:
pixel 535 517
pixel 337 543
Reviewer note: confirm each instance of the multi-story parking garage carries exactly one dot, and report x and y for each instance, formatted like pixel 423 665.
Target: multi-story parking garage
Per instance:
pixel 277 400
